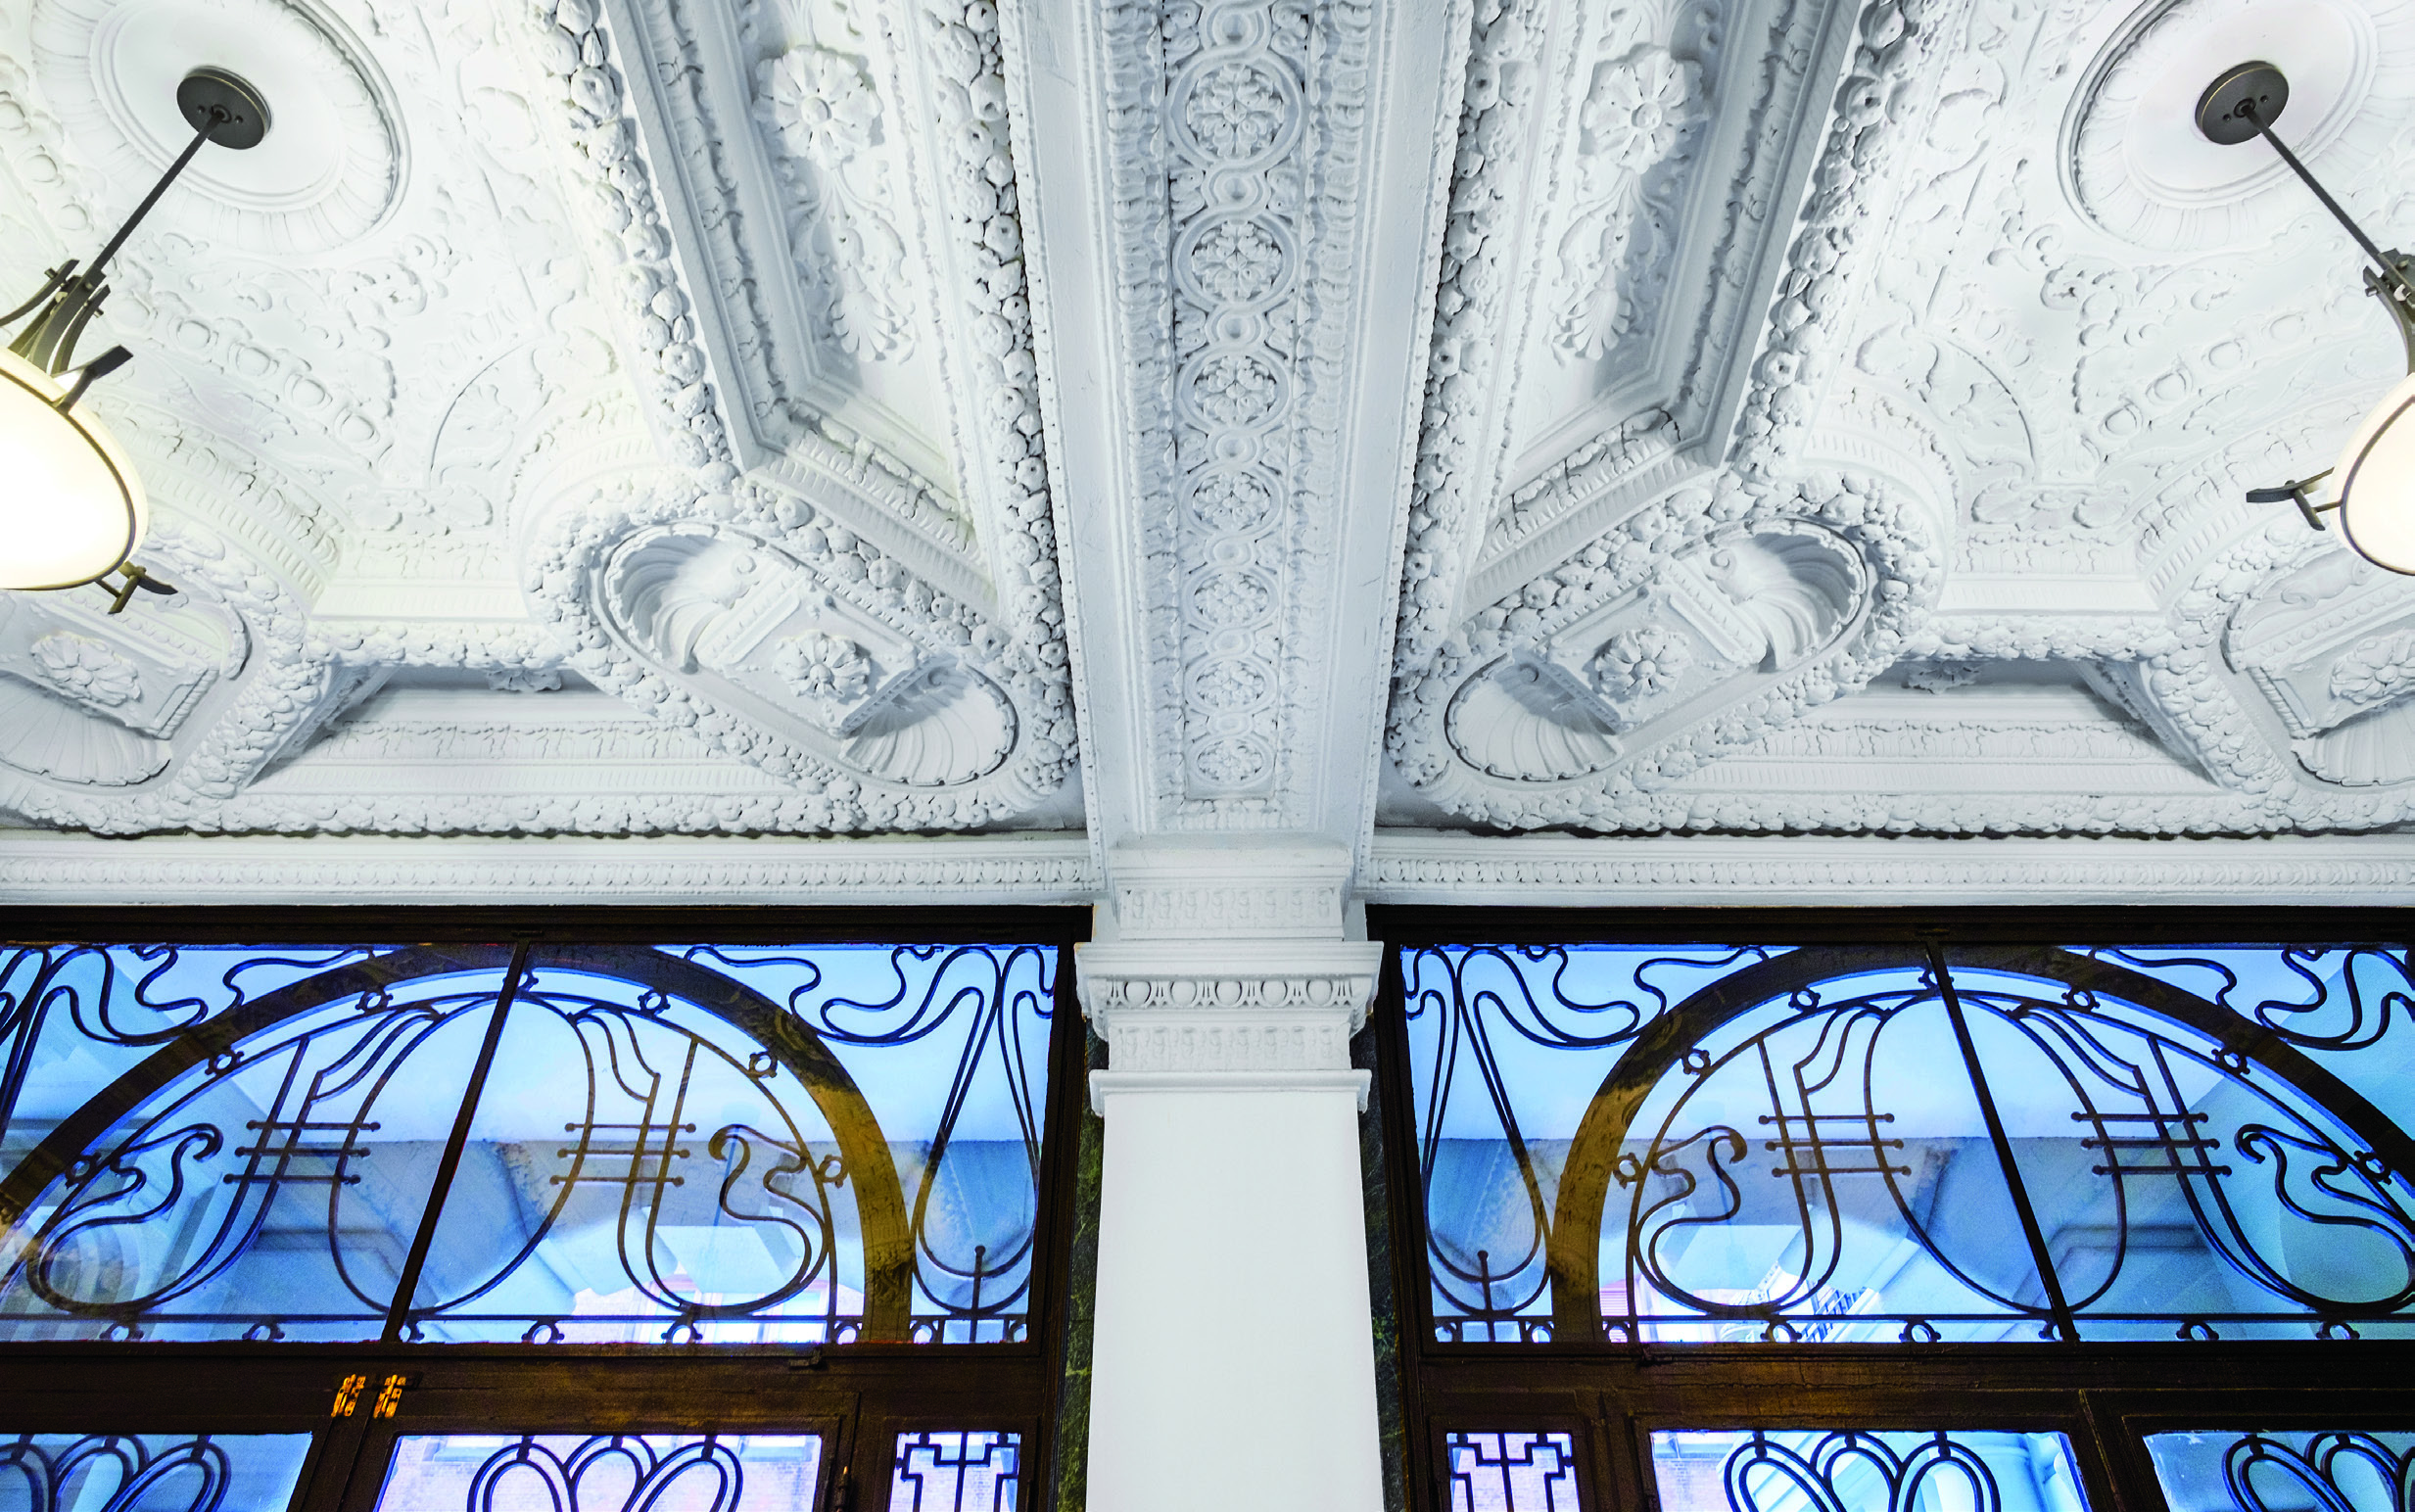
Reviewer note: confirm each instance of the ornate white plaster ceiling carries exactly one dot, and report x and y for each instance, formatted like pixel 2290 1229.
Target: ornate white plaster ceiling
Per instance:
pixel 605 417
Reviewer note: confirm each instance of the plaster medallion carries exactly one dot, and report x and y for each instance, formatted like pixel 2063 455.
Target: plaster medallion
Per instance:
pixel 2134 162
pixel 332 166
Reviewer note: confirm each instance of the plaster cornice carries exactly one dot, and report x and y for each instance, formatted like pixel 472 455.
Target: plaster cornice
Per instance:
pixel 1809 871
pixel 43 867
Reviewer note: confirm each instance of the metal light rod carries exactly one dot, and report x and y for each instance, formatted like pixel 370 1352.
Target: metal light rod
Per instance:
pixel 220 108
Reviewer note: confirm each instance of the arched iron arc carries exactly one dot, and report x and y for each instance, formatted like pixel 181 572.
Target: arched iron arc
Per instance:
pixel 1574 1255
pixel 879 1197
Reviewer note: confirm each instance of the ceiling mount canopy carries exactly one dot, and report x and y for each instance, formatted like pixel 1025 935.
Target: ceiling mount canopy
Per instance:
pixel 74 511
pixel 2374 487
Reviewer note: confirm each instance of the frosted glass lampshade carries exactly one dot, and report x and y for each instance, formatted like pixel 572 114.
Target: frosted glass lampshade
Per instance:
pixel 70 507
pixel 2376 481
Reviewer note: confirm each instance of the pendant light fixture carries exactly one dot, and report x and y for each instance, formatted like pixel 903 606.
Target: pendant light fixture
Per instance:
pixel 71 510
pixel 2373 484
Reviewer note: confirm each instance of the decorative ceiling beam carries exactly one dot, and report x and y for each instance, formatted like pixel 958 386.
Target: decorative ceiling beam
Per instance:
pixel 1234 213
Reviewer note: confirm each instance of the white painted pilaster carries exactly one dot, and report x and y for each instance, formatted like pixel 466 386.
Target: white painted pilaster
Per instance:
pixel 1234 1360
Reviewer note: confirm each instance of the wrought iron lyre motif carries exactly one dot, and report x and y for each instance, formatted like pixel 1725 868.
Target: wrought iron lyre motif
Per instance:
pixel 1769 1090
pixel 230 1111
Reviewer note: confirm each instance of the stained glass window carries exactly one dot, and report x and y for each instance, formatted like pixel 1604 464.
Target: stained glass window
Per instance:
pixel 1844 1144
pixel 684 1143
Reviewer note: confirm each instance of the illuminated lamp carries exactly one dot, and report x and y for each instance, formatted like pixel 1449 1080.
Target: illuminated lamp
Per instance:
pixel 71 510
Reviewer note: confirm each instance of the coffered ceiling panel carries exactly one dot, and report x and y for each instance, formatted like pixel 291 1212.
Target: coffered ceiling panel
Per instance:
pixel 613 417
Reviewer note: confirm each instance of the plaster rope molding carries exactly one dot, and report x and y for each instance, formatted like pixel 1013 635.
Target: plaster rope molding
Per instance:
pixel 1600 783
pixel 575 587
pixel 1889 87
pixel 989 374
pixel 746 314
pixel 602 153
pixel 39 867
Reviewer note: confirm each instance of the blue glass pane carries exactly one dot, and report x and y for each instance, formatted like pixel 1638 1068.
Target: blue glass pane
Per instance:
pixel 859 1158
pixel 2180 1186
pixel 1819 1169
pixel 151 1472
pixel 75 1017
pixel 259 1173
pixel 605 1472
pixel 2283 1472
pixel 2346 1007
pixel 1512 1472
pixel 1785 1471
pixel 956 1471
pixel 1507 1048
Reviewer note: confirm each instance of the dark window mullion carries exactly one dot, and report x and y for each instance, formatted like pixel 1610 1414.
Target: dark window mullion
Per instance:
pixel 406 1287
pixel 2064 1329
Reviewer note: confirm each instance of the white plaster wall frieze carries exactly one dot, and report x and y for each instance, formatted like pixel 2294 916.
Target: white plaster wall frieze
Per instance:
pixel 604 154
pixel 1269 888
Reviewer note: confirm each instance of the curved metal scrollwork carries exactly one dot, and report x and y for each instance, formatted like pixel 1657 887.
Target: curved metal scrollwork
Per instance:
pixel 1762 1465
pixel 1812 1145
pixel 192 1474
pixel 638 1476
pixel 1467 995
pixel 657 1136
pixel 2328 997
pixel 2312 1477
pixel 1834 1037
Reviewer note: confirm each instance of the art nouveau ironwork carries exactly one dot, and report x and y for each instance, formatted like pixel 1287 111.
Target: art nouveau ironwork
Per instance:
pixel 956 1471
pixel 698 1143
pixel 1903 1142
pixel 605 1472
pixel 1511 1472
pixel 1764 1470
pixel 2338 1471
pixel 150 1472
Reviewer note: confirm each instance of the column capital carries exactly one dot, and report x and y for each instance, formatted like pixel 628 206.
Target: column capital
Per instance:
pixel 1225 968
